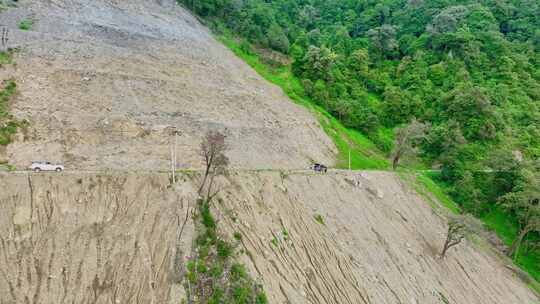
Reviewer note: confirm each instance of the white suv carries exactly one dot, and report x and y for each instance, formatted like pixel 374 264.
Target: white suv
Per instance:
pixel 38 166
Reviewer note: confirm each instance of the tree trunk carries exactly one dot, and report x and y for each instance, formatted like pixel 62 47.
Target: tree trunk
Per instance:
pixel 209 190
pixel 395 161
pixel 209 161
pixel 516 244
pixel 445 249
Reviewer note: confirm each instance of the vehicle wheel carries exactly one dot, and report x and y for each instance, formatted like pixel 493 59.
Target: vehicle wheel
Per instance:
pixel 58 169
pixel 37 169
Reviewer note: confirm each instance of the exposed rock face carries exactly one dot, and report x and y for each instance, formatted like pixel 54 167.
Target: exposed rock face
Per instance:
pixel 103 83
pixel 110 238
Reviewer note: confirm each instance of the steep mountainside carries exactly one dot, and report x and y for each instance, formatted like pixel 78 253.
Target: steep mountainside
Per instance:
pixel 122 239
pixel 90 239
pixel 102 83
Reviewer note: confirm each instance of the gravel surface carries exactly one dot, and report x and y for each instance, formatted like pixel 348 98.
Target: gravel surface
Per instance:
pixel 115 238
pixel 103 84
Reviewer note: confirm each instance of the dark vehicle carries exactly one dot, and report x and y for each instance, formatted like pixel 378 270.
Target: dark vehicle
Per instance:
pixel 320 168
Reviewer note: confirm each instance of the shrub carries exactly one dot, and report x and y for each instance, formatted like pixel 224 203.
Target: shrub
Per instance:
pixel 26 24
pixel 224 249
pixel 319 218
pixel 207 218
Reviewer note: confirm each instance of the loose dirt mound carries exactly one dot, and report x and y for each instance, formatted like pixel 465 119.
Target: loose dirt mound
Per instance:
pixel 103 83
pixel 116 239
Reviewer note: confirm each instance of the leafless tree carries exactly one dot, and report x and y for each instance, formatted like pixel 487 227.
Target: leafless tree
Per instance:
pixel 457 229
pixel 406 140
pixel 213 148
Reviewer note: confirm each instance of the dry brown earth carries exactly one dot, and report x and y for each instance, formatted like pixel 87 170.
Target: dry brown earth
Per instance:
pixel 103 82
pixel 82 238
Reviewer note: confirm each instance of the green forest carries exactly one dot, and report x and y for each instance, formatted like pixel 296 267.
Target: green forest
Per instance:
pixel 468 72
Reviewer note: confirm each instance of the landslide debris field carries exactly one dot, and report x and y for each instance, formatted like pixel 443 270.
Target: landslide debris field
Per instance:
pixel 102 83
pixel 81 238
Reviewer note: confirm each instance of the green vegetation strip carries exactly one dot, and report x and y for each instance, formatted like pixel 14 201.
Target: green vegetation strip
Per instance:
pixel 214 276
pixel 439 193
pixel 364 154
pixel 8 124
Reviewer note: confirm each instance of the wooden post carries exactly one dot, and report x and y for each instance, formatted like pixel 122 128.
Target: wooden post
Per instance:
pixel 172 165
pixel 174 155
pixel 349 158
pixel 175 151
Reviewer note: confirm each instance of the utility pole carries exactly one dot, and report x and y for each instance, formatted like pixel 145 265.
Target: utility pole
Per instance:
pixel 175 149
pixel 174 155
pixel 349 158
pixel 172 165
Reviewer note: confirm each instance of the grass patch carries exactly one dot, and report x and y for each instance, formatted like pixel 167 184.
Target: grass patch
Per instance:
pixel 6 57
pixel 319 219
pixel 26 24
pixel 499 222
pixel 440 194
pixel 7 167
pixel 506 228
pixel 285 234
pixel 8 124
pixel 364 154
pixel 432 193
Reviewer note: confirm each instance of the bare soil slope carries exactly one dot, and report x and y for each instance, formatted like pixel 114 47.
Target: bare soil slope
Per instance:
pixel 378 244
pixel 74 238
pixel 91 239
pixel 103 82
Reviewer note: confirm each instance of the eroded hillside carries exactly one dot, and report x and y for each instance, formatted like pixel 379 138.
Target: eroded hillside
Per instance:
pixel 91 239
pixel 122 239
pixel 103 84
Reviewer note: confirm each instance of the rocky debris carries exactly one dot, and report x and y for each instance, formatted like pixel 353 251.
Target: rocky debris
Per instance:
pixel 125 230
pixel 496 242
pixel 381 250
pixel 378 193
pixel 150 64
